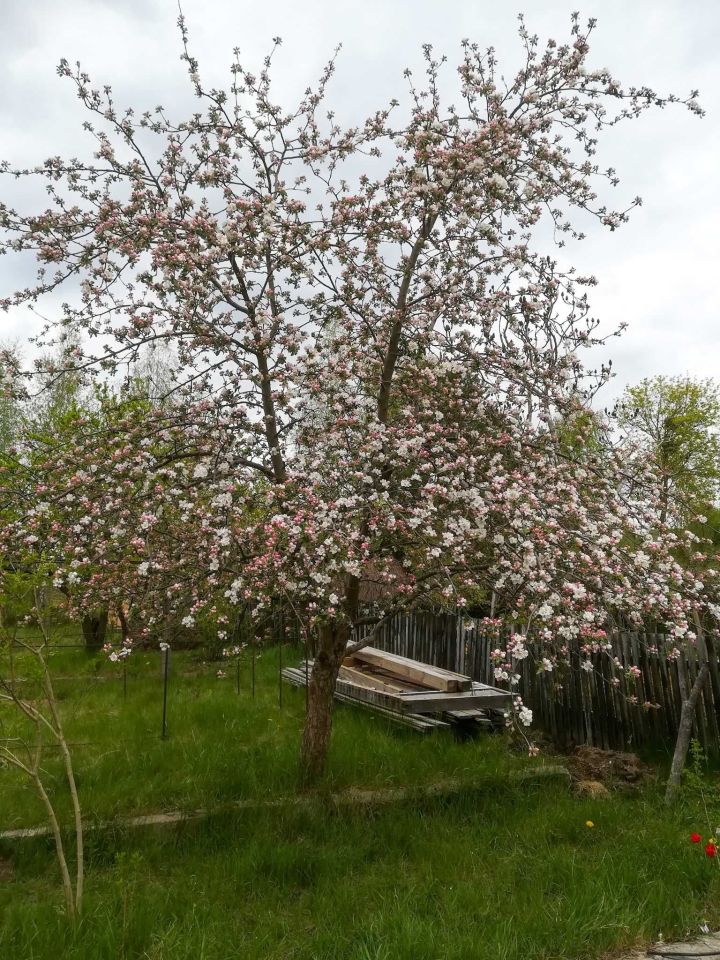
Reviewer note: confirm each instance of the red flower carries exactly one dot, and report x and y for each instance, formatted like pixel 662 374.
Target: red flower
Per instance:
pixel 695 837
pixel 711 849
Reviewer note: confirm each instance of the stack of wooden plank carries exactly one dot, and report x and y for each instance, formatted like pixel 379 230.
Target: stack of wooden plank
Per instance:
pixel 415 694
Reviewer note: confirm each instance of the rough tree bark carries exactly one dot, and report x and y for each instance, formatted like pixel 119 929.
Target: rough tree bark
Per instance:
pixel 332 641
pixel 94 629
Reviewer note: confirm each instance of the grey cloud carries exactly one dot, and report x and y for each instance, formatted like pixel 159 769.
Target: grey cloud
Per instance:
pixel 658 273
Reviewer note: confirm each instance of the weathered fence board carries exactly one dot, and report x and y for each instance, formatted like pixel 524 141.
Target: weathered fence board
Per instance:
pixel 572 704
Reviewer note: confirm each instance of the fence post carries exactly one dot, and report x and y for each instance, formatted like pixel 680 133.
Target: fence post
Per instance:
pixel 165 655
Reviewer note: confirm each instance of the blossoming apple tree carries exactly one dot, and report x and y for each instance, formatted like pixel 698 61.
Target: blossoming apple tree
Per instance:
pixel 372 347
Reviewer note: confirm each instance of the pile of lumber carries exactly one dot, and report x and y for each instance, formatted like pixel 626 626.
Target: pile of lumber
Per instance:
pixel 415 694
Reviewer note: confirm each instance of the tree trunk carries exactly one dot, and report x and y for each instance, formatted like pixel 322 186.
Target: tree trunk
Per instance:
pixel 687 714
pixel 124 625
pixel 94 628
pixel 332 641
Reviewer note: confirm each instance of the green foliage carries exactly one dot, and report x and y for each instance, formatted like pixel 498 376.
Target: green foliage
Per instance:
pixel 694 780
pixel 705 553
pixel 10 408
pixel 700 792
pixel 580 432
pixel 677 419
pixel 16 598
pixel 25 583
pixel 8 422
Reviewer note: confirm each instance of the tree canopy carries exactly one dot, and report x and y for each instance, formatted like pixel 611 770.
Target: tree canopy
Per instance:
pixel 370 341
pixel 677 420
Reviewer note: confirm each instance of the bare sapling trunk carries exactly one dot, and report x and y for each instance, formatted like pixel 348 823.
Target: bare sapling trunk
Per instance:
pixel 70 901
pixel 72 786
pixel 33 770
pixel 332 642
pixel 687 715
pixel 54 724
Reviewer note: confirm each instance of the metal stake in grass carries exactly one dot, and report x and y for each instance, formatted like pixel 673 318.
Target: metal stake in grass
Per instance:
pixel 280 674
pixel 253 671
pixel 165 654
pixel 307 675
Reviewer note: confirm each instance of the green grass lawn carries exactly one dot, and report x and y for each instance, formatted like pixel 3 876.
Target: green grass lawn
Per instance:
pixel 501 869
pixel 221 746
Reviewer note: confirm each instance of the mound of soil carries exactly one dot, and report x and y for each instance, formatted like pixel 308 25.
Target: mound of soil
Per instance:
pixel 612 767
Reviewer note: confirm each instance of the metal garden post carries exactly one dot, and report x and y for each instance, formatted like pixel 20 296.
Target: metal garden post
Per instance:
pixel 165 655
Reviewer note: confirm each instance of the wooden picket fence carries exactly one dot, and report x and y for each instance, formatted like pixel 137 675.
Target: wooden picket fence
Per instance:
pixel 573 705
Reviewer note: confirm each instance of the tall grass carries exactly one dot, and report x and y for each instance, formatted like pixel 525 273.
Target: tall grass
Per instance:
pixel 498 871
pixel 222 745
pixel 489 874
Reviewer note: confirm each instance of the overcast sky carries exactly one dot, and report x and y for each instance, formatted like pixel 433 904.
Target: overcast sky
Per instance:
pixel 659 273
